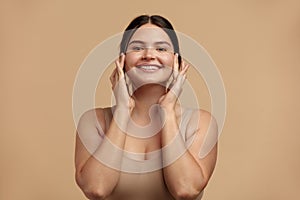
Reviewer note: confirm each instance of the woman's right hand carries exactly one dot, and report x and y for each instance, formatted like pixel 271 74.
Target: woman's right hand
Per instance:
pixel 117 78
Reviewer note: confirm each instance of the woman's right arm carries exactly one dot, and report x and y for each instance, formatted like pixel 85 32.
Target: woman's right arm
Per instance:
pixel 98 173
pixel 95 179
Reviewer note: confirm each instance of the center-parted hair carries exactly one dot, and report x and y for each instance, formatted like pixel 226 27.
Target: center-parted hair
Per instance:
pixel 155 20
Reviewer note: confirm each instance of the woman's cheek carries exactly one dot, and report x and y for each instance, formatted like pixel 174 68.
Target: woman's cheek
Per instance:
pixel 168 61
pixel 130 61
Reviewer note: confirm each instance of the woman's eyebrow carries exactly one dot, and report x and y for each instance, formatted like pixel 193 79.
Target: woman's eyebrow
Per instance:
pixel 142 42
pixel 136 41
pixel 163 42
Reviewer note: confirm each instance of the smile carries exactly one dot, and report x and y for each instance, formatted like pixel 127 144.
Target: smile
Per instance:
pixel 149 68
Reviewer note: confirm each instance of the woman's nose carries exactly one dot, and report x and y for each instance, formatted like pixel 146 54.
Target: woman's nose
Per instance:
pixel 148 54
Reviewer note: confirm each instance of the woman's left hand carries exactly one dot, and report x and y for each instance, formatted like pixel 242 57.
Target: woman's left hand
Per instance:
pixel 169 100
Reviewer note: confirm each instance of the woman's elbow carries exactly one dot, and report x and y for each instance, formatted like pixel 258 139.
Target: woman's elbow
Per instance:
pixel 90 191
pixel 94 194
pixel 189 193
pixel 79 180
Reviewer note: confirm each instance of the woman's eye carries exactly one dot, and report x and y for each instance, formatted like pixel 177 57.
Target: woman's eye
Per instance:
pixel 161 49
pixel 137 48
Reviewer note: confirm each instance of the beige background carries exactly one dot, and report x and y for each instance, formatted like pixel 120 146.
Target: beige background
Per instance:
pixel 255 44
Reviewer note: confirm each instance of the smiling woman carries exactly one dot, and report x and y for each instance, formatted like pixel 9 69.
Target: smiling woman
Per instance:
pixel 147 145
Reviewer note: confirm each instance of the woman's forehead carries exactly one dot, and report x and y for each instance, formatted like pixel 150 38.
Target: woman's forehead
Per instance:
pixel 150 33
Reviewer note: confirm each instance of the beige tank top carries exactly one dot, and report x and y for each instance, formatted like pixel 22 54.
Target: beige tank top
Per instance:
pixel 142 179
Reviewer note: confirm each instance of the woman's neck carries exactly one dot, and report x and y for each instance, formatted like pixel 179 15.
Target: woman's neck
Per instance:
pixel 146 96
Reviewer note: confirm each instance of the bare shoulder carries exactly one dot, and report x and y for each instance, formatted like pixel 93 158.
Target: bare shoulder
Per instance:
pixel 206 117
pixel 95 116
pixel 203 119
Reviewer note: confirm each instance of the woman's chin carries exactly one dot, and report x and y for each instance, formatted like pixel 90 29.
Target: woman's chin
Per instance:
pixel 140 79
pixel 149 82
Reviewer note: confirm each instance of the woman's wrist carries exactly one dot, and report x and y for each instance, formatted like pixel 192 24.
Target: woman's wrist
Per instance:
pixel 121 116
pixel 168 114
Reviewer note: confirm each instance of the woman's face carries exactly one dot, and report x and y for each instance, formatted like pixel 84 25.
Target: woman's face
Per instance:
pixel 149 56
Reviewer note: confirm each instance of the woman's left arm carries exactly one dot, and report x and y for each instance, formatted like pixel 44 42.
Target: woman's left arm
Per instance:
pixel 187 176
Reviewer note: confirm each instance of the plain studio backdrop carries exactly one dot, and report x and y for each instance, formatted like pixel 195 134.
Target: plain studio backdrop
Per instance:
pixel 254 43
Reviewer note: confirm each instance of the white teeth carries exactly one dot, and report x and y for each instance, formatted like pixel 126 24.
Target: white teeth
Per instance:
pixel 150 67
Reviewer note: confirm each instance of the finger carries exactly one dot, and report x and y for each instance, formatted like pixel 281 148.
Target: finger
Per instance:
pixel 112 76
pixel 176 65
pixel 122 59
pixel 120 65
pixel 120 72
pixel 178 84
pixel 176 90
pixel 114 81
pixel 180 80
pixel 184 67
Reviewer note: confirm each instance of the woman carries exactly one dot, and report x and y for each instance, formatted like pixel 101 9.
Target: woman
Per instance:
pixel 147 145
